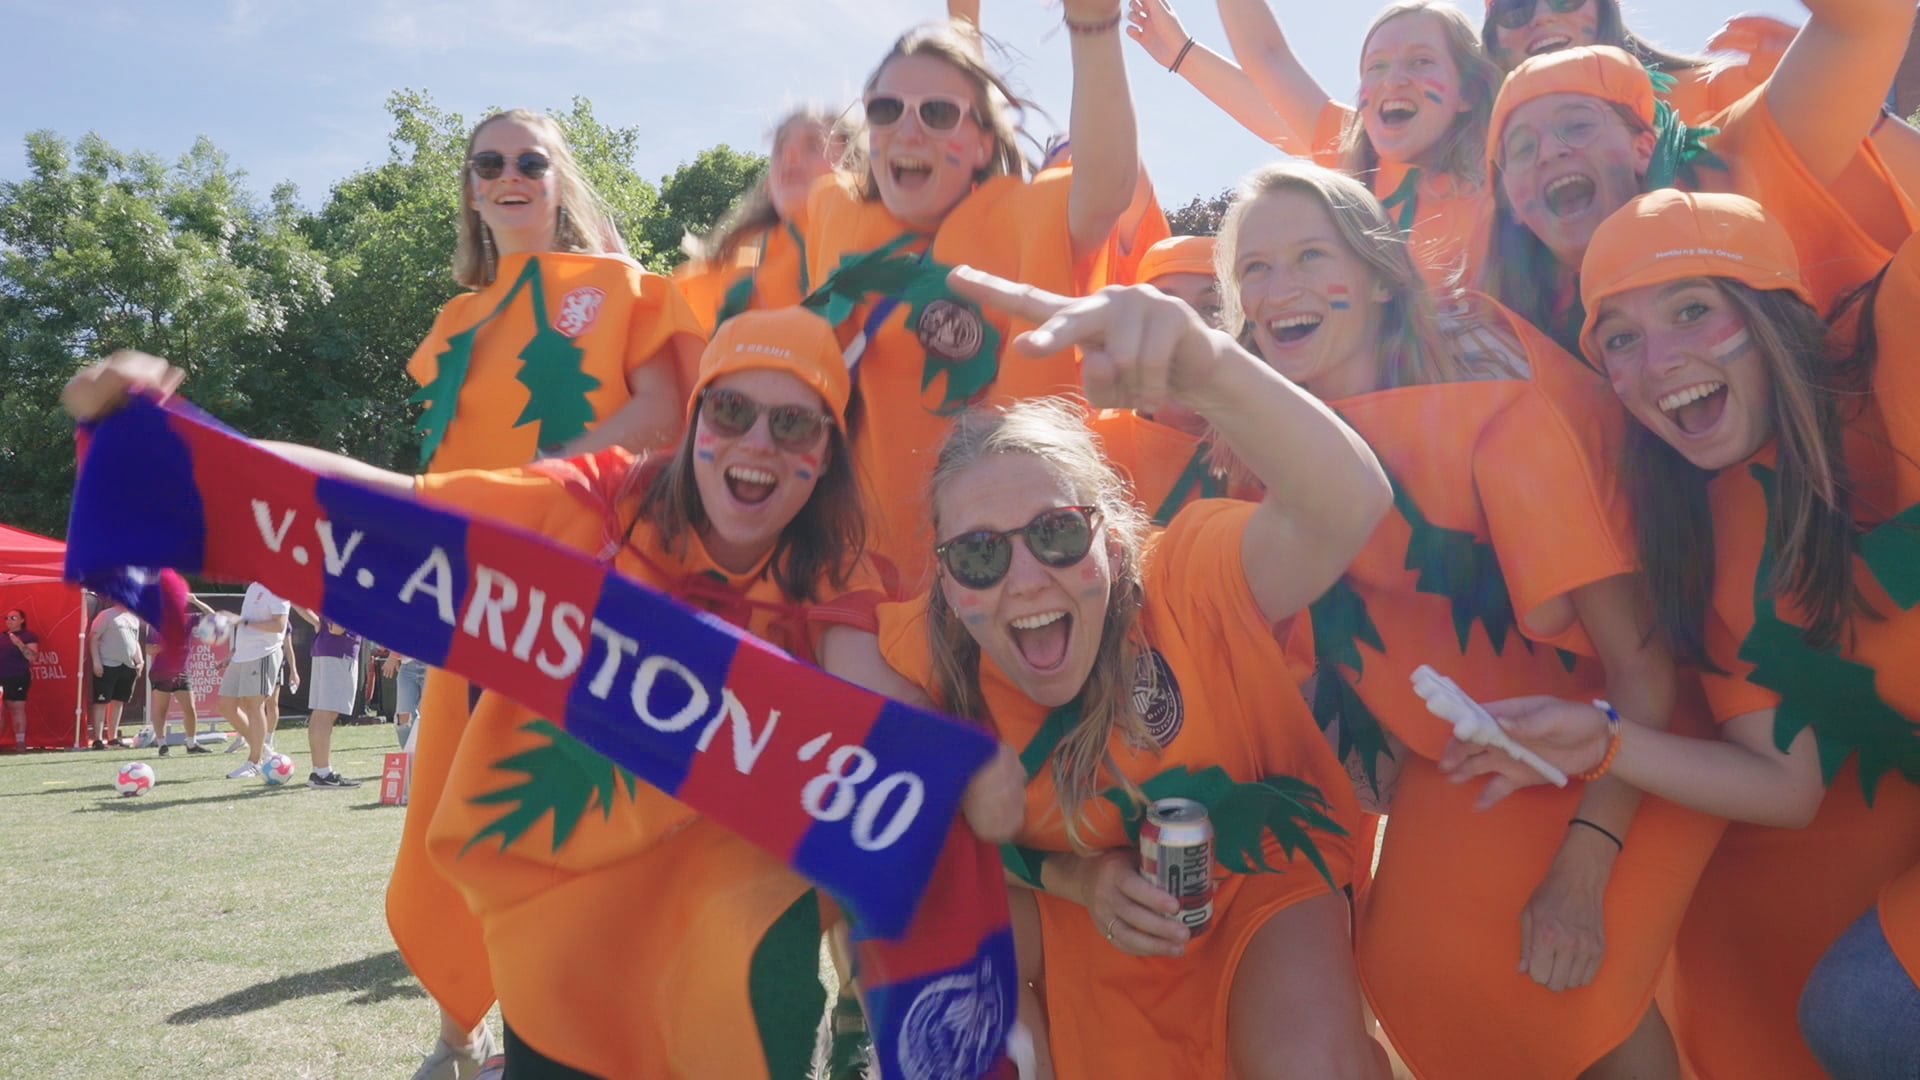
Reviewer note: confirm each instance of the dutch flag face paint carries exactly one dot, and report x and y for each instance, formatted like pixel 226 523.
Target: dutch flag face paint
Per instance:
pixel 1339 298
pixel 1731 344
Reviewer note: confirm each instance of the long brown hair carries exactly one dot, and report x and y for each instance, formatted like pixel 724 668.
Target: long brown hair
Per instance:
pixel 754 211
pixel 958 43
pixel 1053 430
pixel 581 220
pixel 1609 29
pixel 1810 522
pixel 1412 348
pixel 1461 152
pixel 820 546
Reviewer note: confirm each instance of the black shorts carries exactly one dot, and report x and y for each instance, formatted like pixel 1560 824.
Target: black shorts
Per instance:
pixel 14 687
pixel 171 686
pixel 115 685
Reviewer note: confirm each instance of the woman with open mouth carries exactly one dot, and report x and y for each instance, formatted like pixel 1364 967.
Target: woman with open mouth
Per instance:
pixel 760 228
pixel 1498 582
pixel 1133 667
pixel 626 934
pixel 1774 487
pixel 1575 134
pixel 1696 86
pixel 946 183
pixel 1414 135
pixel 560 344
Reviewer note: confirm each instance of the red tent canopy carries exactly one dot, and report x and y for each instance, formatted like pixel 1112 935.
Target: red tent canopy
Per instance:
pixel 26 557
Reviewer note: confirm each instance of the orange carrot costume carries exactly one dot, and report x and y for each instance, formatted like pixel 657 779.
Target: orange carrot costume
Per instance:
pixel 1773 900
pixel 715 972
pixel 529 361
pixel 1445 219
pixel 1225 711
pixel 1505 504
pixel 712 290
pixel 1167 468
pixel 933 353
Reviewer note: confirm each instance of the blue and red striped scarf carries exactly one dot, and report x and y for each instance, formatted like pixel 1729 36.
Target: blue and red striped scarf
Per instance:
pixel 857 793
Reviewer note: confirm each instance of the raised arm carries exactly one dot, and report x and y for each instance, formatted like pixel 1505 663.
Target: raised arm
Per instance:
pixel 652 415
pixel 1266 58
pixel 1106 157
pixel 1830 85
pixel 1139 348
pixel 1154 25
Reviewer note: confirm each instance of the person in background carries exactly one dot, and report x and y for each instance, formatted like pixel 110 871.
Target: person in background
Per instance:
pixel 113 646
pixel 336 663
pixel 165 691
pixel 253 675
pixel 409 678
pixel 18 650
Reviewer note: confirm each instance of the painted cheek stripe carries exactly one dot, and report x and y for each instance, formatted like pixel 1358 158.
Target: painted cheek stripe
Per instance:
pixel 1339 298
pixel 1733 344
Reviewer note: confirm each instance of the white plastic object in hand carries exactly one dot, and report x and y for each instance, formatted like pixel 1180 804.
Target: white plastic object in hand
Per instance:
pixel 1472 724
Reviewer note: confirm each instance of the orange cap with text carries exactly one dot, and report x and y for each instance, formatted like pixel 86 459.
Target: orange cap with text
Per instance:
pixel 791 339
pixel 1176 255
pixel 1600 71
pixel 1670 235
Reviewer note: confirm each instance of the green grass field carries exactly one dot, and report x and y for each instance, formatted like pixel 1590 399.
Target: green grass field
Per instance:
pixel 211 928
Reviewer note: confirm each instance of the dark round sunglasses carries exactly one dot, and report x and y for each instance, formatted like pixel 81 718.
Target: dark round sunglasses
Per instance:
pixel 489 164
pixel 1059 538
pixel 733 414
pixel 1514 14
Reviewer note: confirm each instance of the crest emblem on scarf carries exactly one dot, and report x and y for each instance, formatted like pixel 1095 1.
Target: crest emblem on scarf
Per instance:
pixel 955 1027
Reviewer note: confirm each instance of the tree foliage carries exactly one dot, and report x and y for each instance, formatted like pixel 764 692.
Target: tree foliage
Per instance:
pixel 1201 217
pixel 290 323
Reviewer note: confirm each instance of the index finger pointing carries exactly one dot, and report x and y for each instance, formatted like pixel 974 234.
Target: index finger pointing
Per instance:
pixel 1020 301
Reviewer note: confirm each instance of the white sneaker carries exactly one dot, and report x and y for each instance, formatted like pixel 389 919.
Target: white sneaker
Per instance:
pixel 246 769
pixel 446 1063
pixel 235 742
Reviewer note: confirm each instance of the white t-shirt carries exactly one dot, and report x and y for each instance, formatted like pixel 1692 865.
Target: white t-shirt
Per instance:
pixel 259 606
pixel 118 631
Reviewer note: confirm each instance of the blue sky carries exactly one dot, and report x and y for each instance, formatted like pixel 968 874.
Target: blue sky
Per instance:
pixel 292 89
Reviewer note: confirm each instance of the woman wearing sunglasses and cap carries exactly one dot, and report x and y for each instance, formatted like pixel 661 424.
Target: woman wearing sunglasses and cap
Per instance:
pixel 1576 133
pixel 1774 488
pixel 946 184
pixel 561 345
pixel 1133 667
pixel 600 965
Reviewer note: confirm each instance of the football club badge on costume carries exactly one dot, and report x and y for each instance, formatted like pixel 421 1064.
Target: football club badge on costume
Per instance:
pixel 949 330
pixel 135 778
pixel 1156 694
pixel 578 310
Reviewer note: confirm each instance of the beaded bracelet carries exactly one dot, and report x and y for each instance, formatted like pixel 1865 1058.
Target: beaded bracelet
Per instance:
pixel 1174 68
pixel 1091 29
pixel 1613 743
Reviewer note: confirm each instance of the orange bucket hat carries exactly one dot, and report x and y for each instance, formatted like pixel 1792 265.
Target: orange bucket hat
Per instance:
pixel 1671 235
pixel 793 340
pixel 1177 255
pixel 1600 71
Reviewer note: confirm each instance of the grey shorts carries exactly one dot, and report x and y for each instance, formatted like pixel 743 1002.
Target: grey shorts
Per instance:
pixel 408 682
pixel 251 678
pixel 332 686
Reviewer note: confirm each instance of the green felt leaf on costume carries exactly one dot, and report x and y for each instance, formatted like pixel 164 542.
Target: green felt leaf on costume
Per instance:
pixel 1340 620
pixel 1403 204
pixel 737 298
pixel 1361 734
pixel 441 395
pixel 1679 151
pixel 1892 552
pixel 563 778
pixel 1023 863
pixel 1453 564
pixel 1822 690
pixel 1243 814
pixel 1196 481
pixel 1567 660
pixel 550 370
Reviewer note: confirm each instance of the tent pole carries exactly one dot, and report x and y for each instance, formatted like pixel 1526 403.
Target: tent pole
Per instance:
pixel 80 684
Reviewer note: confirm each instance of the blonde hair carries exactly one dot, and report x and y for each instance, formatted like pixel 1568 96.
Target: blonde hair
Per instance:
pixel 995 105
pixel 582 222
pixel 1462 152
pixel 1054 431
pixel 1411 346
pixel 754 210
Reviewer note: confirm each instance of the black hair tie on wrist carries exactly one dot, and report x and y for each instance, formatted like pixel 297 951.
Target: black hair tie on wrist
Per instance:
pixel 1608 833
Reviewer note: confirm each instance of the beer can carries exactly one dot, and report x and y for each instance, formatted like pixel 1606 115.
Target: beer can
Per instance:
pixel 1176 853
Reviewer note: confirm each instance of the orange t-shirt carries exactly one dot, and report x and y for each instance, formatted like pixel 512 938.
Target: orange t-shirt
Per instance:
pixel 935 354
pixel 1166 468
pixel 574 326
pixel 554 847
pixel 1773 900
pixel 1223 699
pixel 776 253
pixel 543 353
pixel 1446 219
pixel 1504 506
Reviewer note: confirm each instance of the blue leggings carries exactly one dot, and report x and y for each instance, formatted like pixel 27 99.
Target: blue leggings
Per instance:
pixel 1860 1011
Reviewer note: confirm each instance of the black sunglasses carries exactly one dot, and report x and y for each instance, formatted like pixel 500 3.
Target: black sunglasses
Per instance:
pixel 489 164
pixel 1514 14
pixel 733 414
pixel 1059 538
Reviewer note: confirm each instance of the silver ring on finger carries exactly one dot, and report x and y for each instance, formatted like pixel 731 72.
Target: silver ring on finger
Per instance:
pixel 1111 923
